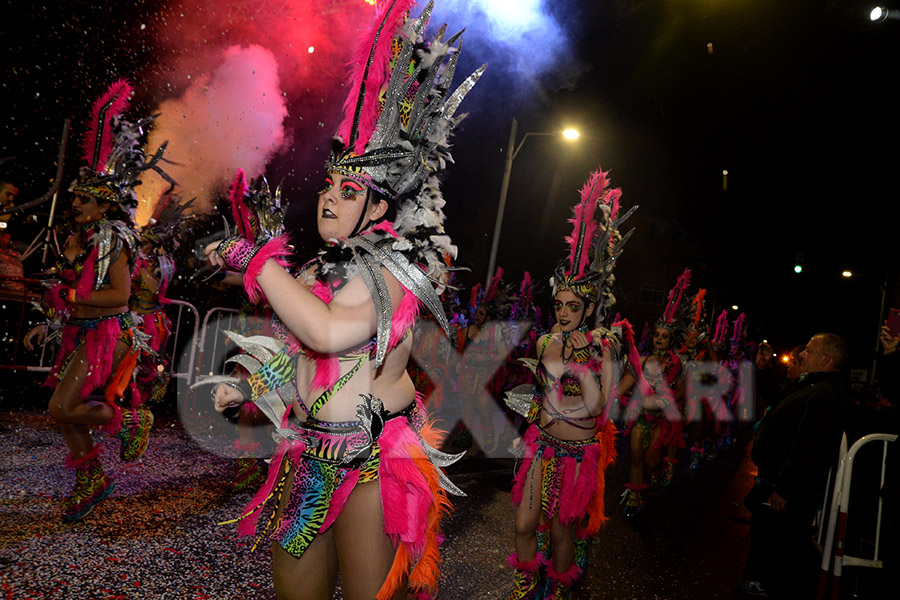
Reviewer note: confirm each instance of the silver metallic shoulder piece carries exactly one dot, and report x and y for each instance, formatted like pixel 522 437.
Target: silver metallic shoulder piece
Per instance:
pixel 370 256
pixel 530 363
pixel 520 397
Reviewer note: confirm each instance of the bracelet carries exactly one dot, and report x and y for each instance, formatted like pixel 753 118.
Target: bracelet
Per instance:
pixel 71 295
pixel 237 252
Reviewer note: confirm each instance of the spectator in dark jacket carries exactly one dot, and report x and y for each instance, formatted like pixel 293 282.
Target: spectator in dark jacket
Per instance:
pixel 796 444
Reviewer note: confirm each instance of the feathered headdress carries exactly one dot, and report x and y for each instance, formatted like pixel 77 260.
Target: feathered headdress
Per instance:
pixel 113 152
pixel 523 308
pixel 394 137
pixel 496 297
pixel 676 315
pixel 166 224
pixel 594 246
pixel 697 313
pixel 737 337
pixel 721 329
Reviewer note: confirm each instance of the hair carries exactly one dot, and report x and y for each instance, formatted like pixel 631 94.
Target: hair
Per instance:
pixel 837 348
pixel 766 345
pixel 376 197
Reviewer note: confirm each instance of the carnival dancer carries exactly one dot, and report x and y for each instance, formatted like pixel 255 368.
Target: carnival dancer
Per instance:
pixel 99 344
pixel 356 477
pixel 654 418
pixel 482 344
pixel 719 405
pixel 699 355
pixel 153 273
pixel 558 489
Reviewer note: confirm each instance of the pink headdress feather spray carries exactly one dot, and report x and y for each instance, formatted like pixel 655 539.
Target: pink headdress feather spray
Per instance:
pixel 494 286
pixel 584 225
pixel 239 209
pixel 721 328
pixel 98 139
pixel 738 335
pixel 371 69
pixel 675 296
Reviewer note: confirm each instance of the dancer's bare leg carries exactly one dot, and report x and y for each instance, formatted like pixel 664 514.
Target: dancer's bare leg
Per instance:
pixel 528 514
pixel 653 456
pixel 563 543
pixel 636 473
pixel 73 416
pixel 365 552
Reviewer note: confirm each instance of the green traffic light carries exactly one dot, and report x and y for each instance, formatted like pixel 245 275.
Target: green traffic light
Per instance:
pixel 798 268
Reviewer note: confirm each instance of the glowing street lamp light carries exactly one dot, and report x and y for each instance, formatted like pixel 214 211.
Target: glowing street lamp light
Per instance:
pixel 734 307
pixel 847 274
pixel 512 150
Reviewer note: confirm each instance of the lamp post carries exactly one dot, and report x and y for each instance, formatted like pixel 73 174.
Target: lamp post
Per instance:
pixel 511 153
pixel 882 285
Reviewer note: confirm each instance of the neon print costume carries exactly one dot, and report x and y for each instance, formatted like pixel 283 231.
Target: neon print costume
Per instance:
pixel 571 472
pixel 104 242
pixel 394 144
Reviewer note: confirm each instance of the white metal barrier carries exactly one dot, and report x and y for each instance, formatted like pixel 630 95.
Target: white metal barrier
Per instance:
pixel 836 532
pixel 177 310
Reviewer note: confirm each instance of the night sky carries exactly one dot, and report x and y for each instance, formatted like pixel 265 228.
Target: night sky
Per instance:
pixel 794 99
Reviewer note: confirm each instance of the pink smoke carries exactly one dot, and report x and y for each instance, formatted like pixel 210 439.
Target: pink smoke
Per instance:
pixel 251 78
pixel 231 118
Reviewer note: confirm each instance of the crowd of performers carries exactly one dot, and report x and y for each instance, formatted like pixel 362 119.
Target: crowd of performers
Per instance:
pixel 360 343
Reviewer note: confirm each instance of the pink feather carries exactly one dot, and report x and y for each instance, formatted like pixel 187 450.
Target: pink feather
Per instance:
pixel 276 249
pixel 402 486
pixel 633 357
pixel 97 142
pixel 86 282
pixel 675 296
pixel 374 46
pixel 721 328
pixel 494 285
pixel 239 209
pixel 580 241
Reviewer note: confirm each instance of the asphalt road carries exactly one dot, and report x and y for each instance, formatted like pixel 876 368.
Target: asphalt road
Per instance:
pixel 157 536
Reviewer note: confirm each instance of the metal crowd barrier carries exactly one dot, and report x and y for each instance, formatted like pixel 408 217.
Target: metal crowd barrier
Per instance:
pixel 212 347
pixel 176 310
pixel 836 532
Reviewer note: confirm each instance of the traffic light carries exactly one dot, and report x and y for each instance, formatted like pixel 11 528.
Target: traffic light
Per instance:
pixel 798 262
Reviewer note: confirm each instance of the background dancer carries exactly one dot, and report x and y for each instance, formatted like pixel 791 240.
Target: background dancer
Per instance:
pixel 98 343
pixel 655 420
pixel 559 486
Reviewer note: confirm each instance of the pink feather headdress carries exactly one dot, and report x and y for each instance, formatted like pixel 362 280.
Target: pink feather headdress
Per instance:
pixel 113 151
pixel 97 143
pixel 721 329
pixel 594 245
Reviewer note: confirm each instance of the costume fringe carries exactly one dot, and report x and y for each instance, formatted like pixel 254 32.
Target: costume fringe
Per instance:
pixel 276 249
pixel 531 566
pixel 568 578
pixel 80 463
pixel 411 493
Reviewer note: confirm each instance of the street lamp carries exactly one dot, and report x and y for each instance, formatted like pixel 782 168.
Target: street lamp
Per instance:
pixel 512 150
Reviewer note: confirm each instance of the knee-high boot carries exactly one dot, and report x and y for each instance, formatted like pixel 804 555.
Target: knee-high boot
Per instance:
pixel 91 485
